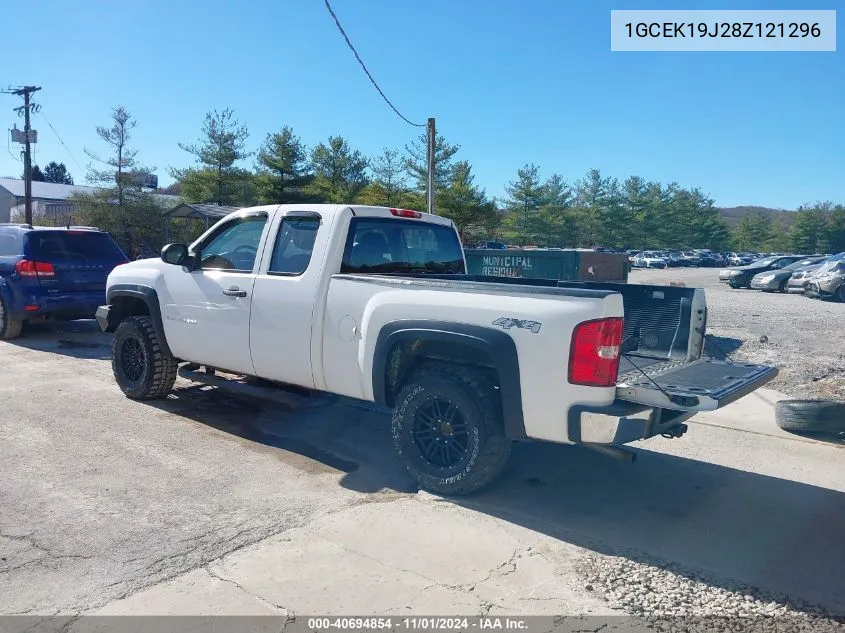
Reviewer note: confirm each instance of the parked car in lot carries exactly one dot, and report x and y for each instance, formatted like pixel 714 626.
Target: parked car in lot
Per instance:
pixel 691 258
pixel 828 280
pixel 741 276
pixel 740 259
pixel 773 280
pixel 673 259
pixel 709 260
pixel 374 304
pixel 649 259
pixel 52 273
pixel 801 278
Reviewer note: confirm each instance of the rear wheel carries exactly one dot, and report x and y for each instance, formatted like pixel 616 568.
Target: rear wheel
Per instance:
pixel 841 293
pixel 784 286
pixel 448 430
pixel 141 367
pixel 10 327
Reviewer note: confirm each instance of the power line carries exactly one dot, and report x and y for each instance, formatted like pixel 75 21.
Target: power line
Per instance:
pixel 67 149
pixel 360 61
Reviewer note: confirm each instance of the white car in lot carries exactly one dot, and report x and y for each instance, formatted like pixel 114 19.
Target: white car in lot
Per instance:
pixel 650 259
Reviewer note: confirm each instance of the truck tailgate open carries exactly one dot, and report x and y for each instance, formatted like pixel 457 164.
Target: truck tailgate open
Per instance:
pixel 701 385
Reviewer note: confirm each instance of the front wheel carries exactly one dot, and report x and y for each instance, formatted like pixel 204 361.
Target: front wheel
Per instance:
pixel 142 368
pixel 448 430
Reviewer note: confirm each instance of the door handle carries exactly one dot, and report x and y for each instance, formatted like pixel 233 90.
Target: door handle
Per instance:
pixel 234 291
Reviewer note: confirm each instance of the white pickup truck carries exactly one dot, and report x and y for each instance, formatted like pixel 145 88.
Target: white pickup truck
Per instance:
pixel 374 304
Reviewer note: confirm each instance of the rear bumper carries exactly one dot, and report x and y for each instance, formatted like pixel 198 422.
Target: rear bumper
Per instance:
pixel 66 306
pixel 621 423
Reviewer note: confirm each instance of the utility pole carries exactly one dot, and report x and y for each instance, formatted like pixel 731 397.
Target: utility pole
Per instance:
pixel 430 160
pixel 26 92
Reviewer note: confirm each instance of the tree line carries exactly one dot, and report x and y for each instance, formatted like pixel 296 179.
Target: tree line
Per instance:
pixel 546 211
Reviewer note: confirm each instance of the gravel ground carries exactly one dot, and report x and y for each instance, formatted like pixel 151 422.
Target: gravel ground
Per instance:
pixel 801 336
pixel 669 599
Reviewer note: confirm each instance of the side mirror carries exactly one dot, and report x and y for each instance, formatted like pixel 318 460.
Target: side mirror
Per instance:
pixel 175 254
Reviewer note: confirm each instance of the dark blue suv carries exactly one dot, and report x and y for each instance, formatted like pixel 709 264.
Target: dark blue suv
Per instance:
pixel 52 273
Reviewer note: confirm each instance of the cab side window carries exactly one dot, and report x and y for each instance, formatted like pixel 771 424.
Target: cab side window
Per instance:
pixel 294 245
pixel 235 246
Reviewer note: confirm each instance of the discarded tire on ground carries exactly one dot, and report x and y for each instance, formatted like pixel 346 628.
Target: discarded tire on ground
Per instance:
pixel 811 416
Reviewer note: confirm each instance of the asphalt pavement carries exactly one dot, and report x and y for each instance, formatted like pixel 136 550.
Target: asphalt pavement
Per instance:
pixel 208 503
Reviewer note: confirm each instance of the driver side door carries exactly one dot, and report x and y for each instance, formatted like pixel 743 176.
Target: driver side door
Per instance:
pixel 207 317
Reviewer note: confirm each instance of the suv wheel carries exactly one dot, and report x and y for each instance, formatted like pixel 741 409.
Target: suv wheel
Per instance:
pixel 448 430
pixel 10 327
pixel 142 369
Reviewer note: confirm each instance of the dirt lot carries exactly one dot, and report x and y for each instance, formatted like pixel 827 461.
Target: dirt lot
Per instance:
pixel 205 503
pixel 803 337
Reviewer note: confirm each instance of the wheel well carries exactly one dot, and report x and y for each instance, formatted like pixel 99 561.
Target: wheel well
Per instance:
pixel 129 306
pixel 407 356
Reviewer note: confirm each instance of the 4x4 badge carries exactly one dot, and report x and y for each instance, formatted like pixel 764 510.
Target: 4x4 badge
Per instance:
pixel 506 324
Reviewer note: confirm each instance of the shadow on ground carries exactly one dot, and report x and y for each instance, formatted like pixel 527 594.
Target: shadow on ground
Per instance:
pixel 78 339
pixel 730 525
pixel 720 347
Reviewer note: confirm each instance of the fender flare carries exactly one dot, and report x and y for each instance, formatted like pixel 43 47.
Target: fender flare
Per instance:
pixel 149 296
pixel 497 345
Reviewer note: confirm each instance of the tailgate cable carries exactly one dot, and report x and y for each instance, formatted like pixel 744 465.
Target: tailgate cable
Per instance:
pixel 637 367
pixel 714 344
pixel 678 400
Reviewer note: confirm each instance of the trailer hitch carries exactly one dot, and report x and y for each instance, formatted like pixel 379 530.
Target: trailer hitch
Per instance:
pixel 675 431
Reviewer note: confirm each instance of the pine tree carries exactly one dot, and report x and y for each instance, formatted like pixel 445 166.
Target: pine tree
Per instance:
pixel 416 162
pixel 217 178
pixel 283 170
pixel 57 172
pixel 464 203
pixel 340 173
pixel 808 231
pixel 525 195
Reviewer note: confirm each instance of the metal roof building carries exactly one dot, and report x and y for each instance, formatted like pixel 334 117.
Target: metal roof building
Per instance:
pixel 46 196
pixel 49 199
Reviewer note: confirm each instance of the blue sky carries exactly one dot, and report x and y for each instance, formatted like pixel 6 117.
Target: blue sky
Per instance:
pixel 511 82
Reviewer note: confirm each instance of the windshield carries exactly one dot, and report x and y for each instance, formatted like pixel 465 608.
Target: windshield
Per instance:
pixel 801 263
pixel 768 261
pixel 382 245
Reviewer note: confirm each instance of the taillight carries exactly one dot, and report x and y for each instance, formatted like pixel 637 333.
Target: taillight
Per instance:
pixel 594 353
pixel 406 213
pixel 28 268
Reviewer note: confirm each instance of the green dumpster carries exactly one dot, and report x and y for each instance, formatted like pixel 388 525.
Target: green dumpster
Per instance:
pixel 564 265
pixel 534 264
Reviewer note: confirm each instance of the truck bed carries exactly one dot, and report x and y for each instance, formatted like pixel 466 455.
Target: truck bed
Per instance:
pixel 657 322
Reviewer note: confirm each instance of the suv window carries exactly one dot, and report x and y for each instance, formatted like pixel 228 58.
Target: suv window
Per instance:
pixel 78 246
pixel 294 245
pixel 9 244
pixel 235 245
pixel 382 245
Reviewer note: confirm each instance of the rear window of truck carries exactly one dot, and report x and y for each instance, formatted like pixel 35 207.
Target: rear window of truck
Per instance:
pixel 385 245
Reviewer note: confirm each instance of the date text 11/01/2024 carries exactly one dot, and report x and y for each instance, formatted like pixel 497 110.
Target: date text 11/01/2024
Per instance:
pixel 723 29
pixel 417 623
